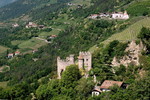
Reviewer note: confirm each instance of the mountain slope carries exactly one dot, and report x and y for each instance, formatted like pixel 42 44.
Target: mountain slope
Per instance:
pixel 6 2
pixel 21 7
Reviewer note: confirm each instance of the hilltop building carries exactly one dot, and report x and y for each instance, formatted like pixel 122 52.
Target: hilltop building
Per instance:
pixel 31 24
pixel 115 15
pixel 84 62
pixel 120 15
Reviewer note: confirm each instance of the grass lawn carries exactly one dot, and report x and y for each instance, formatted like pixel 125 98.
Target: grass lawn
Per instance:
pixel 3 49
pixel 81 2
pixel 17 42
pixel 3 84
pixel 33 43
pixel 45 34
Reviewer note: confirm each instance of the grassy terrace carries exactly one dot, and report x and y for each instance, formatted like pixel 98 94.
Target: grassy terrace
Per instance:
pixel 33 43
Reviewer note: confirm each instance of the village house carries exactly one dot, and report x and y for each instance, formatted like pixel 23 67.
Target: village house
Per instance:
pixel 33 51
pixel 104 15
pixel 105 87
pixel 10 55
pixel 70 4
pixel 120 15
pixel 96 91
pixel 15 25
pixel 17 53
pixel 31 24
pixel 41 26
pixel 52 36
pixel 94 16
pixel 115 15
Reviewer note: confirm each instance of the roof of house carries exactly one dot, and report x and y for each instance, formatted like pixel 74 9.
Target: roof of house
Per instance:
pixel 97 90
pixel 108 83
pixel 10 54
pixel 17 52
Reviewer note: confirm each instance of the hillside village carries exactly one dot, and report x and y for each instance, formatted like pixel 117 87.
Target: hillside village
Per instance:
pixel 116 15
pixel 56 51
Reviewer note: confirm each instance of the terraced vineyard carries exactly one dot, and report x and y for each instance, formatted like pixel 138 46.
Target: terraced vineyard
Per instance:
pixel 130 33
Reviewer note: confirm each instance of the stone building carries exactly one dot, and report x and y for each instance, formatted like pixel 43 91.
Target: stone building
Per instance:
pixel 62 64
pixel 84 62
pixel 132 57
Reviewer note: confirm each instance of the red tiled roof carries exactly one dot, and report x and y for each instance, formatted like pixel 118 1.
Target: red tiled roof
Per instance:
pixel 108 83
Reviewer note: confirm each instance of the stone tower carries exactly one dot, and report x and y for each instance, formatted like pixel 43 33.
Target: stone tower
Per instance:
pixel 85 61
pixel 62 64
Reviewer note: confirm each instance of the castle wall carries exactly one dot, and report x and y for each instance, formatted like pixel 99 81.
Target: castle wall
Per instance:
pixel 62 64
pixel 84 60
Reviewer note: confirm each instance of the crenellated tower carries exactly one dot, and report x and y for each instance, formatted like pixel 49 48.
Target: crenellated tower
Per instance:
pixel 85 61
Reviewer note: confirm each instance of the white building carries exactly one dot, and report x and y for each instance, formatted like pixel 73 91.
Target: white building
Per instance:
pixel 10 55
pixel 120 15
pixel 94 16
pixel 96 91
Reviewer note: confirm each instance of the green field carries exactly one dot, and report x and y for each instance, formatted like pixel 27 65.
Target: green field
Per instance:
pixel 82 2
pixel 3 49
pixel 17 42
pixel 45 34
pixel 33 43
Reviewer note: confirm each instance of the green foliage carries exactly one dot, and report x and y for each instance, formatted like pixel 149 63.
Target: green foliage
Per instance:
pixel 84 88
pixel 145 37
pixel 139 8
pixel 70 76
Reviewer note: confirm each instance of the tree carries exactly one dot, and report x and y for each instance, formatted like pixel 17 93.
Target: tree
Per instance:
pixel 84 88
pixel 70 76
pixel 145 37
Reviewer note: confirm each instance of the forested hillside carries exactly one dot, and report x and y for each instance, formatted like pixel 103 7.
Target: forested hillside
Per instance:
pixel 21 7
pixel 61 28
pixel 6 2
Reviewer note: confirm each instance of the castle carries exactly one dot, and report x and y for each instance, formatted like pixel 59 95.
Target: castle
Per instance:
pixel 84 62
